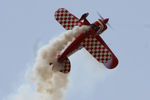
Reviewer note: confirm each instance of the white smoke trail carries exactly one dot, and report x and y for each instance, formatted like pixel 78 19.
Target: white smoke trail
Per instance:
pixel 50 85
pixel 48 81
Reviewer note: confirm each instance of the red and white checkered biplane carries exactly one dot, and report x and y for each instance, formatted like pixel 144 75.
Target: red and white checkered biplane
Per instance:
pixel 90 40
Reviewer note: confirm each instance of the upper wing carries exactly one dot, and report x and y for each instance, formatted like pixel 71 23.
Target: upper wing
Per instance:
pixel 66 19
pixel 98 48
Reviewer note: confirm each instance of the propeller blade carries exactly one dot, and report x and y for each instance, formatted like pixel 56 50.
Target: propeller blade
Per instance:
pixel 100 15
pixel 109 25
pixel 103 19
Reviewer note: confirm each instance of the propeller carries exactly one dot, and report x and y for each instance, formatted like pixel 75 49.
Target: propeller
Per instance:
pixel 103 19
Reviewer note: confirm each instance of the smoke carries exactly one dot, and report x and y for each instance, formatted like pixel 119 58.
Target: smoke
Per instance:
pixel 50 85
pixel 46 80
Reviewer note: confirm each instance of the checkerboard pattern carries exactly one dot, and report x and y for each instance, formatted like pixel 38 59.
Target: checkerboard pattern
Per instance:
pixel 91 44
pixel 66 66
pixel 66 19
pixel 95 48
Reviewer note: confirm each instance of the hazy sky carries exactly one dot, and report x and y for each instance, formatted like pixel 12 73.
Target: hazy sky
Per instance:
pixel 24 23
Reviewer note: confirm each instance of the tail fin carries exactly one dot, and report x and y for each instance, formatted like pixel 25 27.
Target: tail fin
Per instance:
pixel 66 66
pixel 63 66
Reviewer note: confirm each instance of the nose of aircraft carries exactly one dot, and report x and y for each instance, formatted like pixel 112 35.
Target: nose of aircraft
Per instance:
pixel 106 20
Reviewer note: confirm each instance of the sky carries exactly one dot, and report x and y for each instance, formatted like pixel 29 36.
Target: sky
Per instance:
pixel 26 23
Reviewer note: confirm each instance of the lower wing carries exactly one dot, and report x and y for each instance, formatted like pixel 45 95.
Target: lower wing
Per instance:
pixel 96 46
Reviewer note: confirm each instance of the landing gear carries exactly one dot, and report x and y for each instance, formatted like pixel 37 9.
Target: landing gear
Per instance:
pixel 84 16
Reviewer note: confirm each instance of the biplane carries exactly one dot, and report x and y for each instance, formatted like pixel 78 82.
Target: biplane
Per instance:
pixel 90 40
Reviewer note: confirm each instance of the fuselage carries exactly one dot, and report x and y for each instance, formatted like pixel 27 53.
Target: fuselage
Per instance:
pixel 98 27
